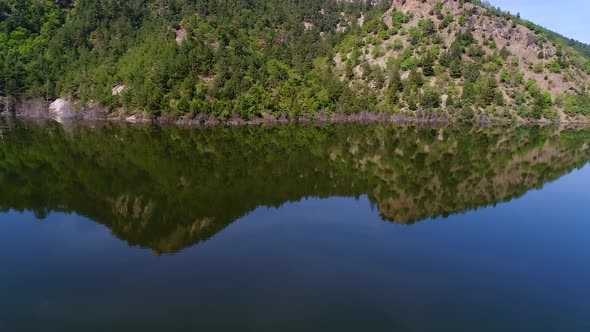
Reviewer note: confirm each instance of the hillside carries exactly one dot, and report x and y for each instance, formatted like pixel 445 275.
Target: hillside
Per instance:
pixel 221 59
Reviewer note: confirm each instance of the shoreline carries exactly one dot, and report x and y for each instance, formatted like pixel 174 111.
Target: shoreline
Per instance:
pixel 66 113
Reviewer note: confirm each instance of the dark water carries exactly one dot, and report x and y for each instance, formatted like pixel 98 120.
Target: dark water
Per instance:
pixel 350 228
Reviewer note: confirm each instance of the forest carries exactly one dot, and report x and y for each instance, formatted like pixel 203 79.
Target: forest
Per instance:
pixel 250 58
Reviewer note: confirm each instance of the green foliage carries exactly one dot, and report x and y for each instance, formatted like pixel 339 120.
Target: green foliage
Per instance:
pixel 427 61
pixel 427 27
pixel 505 77
pixel 453 54
pixel 408 64
pixel 518 78
pixel 476 52
pixel 504 53
pixel 415 80
pixel 577 104
pixel 416 35
pixel 488 92
pixel 73 172
pixel 237 55
pixel 538 67
pixel 462 20
pixel 257 57
pixel 383 34
pixel 395 80
pixel 542 103
pixel 448 19
pixel 378 52
pixel 554 66
pixel 430 99
pixel 471 72
pixel 456 69
pixel 398 45
pixel 399 19
pixel 467 114
pixel 438 8
pixel 525 111
pixel 469 93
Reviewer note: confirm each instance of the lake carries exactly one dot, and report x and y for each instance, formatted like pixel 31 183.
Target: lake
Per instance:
pixel 315 228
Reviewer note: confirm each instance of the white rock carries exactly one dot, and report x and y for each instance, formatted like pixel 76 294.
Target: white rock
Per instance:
pixel 118 89
pixel 131 119
pixel 61 110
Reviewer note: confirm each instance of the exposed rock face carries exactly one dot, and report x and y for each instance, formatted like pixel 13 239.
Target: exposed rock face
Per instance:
pixel 31 109
pixel 138 118
pixel 62 110
pixel 118 89
pixel 181 35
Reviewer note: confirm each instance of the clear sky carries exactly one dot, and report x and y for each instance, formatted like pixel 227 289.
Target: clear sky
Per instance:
pixel 570 18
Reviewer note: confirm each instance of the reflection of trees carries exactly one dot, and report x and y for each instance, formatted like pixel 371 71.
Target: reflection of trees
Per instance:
pixel 167 189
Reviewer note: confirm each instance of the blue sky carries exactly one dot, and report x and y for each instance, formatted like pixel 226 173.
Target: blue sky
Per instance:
pixel 570 18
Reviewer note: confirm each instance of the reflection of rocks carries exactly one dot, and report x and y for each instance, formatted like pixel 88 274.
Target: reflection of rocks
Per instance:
pixel 62 110
pixel 128 208
pixel 401 210
pixel 167 189
pixel 182 235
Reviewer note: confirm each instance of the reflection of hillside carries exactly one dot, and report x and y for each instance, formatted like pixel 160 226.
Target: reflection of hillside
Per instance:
pixel 522 173
pixel 167 189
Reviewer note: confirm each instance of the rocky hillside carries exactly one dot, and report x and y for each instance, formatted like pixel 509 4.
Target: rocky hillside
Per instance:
pixel 465 59
pixel 203 61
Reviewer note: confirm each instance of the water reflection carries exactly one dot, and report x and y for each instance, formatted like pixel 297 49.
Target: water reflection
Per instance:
pixel 168 188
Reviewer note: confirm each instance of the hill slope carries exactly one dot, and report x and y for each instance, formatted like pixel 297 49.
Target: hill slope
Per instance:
pixel 253 58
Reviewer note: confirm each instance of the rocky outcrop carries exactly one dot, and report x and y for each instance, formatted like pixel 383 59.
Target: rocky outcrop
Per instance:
pixel 118 89
pixel 62 110
pixel 181 35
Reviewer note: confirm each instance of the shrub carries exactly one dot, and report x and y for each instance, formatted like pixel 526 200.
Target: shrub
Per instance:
pixel 532 87
pixel 415 35
pixel 518 78
pixel 398 45
pixel 378 52
pixel 577 104
pixel 430 99
pixel 476 51
pixel 505 76
pixel 471 72
pixel 504 53
pixel 554 66
pixel 427 26
pixel 446 21
pixel 383 34
pixel 466 114
pixel 409 63
pixel 491 67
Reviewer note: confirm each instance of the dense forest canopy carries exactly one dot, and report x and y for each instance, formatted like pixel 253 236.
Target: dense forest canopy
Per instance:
pixel 299 57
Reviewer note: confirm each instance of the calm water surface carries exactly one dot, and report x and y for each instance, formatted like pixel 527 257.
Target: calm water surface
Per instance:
pixel 346 228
